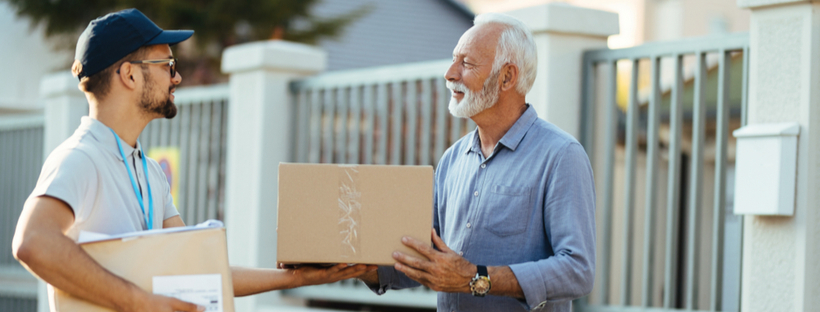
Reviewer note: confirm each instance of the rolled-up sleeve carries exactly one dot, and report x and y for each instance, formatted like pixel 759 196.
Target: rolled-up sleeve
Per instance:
pixel 569 213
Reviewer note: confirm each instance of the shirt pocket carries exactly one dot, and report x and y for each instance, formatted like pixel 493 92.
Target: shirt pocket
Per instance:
pixel 508 210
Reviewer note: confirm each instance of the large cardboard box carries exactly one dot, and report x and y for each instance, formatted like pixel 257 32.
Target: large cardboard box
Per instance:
pixel 168 258
pixel 351 213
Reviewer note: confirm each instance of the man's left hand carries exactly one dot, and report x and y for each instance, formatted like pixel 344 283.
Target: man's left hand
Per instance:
pixel 444 271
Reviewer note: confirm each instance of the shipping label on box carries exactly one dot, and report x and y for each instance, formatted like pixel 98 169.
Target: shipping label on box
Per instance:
pixel 351 213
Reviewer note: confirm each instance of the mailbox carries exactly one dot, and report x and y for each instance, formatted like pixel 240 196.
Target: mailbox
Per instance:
pixel 765 169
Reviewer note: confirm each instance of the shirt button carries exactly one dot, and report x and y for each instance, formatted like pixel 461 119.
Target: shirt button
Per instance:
pixel 483 166
pixel 460 253
pixel 468 225
pixel 476 193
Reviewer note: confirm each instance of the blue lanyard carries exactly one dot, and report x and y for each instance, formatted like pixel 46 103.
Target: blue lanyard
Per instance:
pixel 150 215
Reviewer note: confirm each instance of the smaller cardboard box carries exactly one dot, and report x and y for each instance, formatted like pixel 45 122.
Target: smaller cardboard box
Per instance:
pixel 351 213
pixel 170 259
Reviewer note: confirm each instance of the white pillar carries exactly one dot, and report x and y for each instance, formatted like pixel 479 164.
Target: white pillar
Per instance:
pixel 780 254
pixel 562 33
pixel 259 137
pixel 64 105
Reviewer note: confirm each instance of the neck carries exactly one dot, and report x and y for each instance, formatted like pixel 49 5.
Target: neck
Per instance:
pixel 126 120
pixel 494 122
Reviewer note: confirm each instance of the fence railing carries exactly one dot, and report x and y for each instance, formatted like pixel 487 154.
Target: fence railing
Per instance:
pixel 21 155
pixel 673 247
pixel 387 115
pixel 191 146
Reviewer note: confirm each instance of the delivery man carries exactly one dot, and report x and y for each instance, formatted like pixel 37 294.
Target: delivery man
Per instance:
pixel 100 180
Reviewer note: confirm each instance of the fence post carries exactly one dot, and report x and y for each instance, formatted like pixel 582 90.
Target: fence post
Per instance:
pixel 64 105
pixel 259 137
pixel 780 254
pixel 562 33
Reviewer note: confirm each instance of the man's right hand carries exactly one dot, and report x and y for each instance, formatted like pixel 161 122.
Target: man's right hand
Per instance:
pixel 160 303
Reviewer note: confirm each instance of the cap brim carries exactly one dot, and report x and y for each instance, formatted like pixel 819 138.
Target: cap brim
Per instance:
pixel 171 37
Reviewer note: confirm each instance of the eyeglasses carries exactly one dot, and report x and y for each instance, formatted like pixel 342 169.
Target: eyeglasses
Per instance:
pixel 171 62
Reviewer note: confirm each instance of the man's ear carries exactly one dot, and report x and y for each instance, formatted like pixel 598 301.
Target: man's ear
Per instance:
pixel 509 76
pixel 125 74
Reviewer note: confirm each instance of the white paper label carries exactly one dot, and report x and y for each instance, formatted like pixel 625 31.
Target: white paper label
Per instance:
pixel 202 289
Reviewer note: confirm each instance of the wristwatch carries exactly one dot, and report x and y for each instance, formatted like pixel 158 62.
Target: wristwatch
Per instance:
pixel 480 285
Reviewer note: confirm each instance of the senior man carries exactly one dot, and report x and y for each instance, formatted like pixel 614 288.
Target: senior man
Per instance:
pixel 99 180
pixel 514 200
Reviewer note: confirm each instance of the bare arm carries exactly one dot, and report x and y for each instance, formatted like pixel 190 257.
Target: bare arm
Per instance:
pixel 250 281
pixel 41 246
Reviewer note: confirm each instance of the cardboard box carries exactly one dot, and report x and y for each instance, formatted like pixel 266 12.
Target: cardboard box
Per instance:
pixel 140 258
pixel 351 213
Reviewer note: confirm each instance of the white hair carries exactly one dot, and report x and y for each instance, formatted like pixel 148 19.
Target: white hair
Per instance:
pixel 515 46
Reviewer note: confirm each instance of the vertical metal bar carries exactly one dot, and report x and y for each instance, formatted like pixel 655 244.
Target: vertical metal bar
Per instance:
pixel 370 122
pixel 696 177
pixel 183 127
pixel 426 120
pixel 342 102
pixel 651 166
pixel 396 133
pixel 744 107
pixel 629 196
pixel 314 154
pixel 587 106
pixel 412 123
pixel 442 98
pixel 329 117
pixel 193 149
pixel 609 178
pixel 303 118
pixel 722 136
pixel 216 161
pixel 356 130
pixel 673 187
pixel 383 109
pixel 203 160
pixel 6 182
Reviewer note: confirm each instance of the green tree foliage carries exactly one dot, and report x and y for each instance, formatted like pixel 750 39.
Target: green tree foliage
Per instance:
pixel 218 24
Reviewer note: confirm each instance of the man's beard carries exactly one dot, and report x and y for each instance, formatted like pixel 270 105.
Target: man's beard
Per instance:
pixel 162 106
pixel 474 103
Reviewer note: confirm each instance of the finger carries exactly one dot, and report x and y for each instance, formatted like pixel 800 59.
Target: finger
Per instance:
pixel 416 275
pixel 413 262
pixel 180 305
pixel 422 248
pixel 440 243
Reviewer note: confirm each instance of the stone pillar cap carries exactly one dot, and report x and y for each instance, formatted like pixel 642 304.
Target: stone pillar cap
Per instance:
pixel 274 55
pixel 570 19
pixel 750 4
pixel 59 83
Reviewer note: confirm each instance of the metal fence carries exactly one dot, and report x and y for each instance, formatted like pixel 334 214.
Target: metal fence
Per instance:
pixel 191 147
pixel 21 156
pixel 673 253
pixel 394 115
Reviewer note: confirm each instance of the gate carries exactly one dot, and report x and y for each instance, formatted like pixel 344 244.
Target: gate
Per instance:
pixel 647 110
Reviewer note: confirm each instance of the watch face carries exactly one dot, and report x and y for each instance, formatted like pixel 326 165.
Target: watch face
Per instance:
pixel 482 285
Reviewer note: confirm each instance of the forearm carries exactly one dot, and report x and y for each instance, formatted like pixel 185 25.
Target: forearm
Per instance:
pixel 504 282
pixel 370 278
pixel 62 263
pixel 250 281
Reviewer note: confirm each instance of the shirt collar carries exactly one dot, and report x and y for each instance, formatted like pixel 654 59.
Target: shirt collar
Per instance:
pixel 513 137
pixel 102 134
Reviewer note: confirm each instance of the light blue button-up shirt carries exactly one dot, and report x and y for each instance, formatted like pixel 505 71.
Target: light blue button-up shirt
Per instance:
pixel 529 206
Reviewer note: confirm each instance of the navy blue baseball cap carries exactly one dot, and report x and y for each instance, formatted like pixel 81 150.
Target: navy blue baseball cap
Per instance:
pixel 108 39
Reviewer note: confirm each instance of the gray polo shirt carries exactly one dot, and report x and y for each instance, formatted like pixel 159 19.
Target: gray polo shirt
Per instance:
pixel 87 172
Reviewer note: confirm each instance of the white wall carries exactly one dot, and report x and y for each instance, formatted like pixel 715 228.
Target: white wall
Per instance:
pixel 26 57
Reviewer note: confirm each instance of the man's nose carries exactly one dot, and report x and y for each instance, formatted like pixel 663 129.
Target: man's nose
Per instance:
pixel 452 73
pixel 177 78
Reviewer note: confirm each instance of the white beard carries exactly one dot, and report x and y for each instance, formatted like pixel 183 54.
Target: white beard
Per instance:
pixel 473 103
